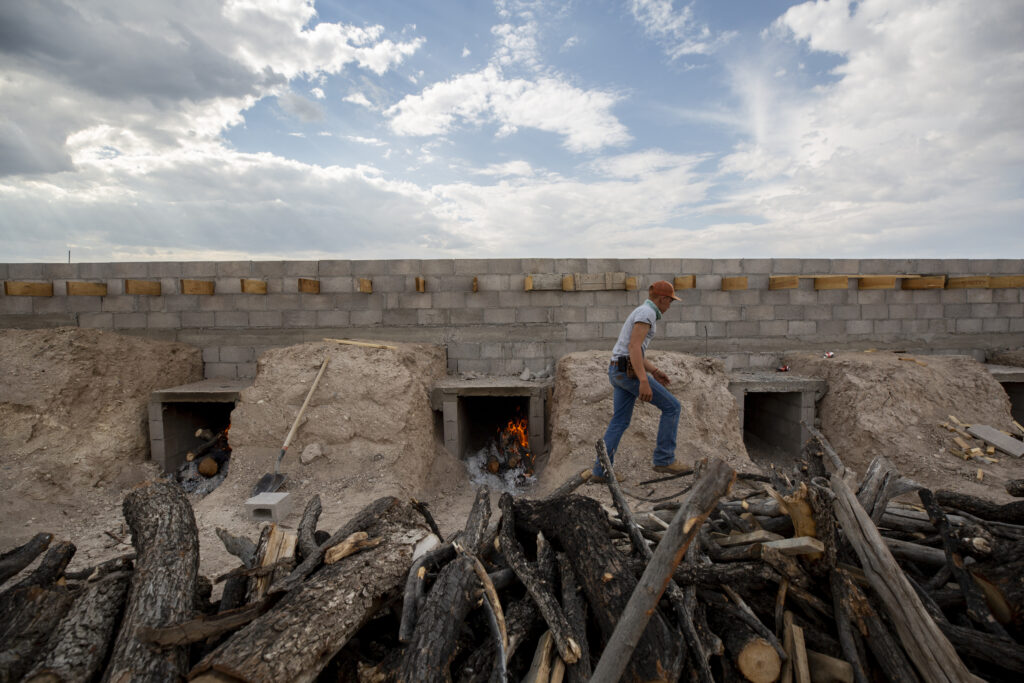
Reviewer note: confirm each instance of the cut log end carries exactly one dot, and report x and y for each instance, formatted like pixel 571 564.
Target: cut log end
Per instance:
pixel 759 662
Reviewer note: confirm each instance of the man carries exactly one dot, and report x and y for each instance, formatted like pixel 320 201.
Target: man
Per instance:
pixel 636 334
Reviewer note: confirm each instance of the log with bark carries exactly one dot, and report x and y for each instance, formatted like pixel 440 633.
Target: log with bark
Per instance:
pixel 163 584
pixel 299 636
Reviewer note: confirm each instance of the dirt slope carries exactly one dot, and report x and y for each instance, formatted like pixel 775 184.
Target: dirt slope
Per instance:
pixel 73 427
pixel 878 404
pixel 582 406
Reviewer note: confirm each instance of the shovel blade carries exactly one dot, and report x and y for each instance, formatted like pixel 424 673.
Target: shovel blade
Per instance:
pixel 268 483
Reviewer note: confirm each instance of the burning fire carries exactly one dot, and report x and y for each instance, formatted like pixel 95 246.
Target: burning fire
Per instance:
pixel 513 448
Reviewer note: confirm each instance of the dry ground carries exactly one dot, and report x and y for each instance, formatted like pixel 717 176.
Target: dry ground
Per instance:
pixel 73 429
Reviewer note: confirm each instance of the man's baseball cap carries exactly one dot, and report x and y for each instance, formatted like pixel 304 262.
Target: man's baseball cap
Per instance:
pixel 664 288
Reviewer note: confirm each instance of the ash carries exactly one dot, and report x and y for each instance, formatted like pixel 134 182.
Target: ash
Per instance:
pixel 513 480
pixel 194 483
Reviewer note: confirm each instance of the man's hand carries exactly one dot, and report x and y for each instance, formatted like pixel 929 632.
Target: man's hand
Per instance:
pixel 662 378
pixel 645 391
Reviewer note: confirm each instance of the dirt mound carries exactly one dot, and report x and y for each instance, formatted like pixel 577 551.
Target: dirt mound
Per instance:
pixel 370 417
pixel 1014 358
pixel 73 422
pixel 892 404
pixel 582 406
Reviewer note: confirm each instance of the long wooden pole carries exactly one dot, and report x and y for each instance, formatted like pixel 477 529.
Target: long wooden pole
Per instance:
pixel 716 482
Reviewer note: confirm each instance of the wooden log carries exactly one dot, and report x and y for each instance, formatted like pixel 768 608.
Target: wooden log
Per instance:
pixel 301 634
pixel 881 483
pixel 307 544
pixel 572 483
pixel 50 569
pixel 604 574
pixel 537 585
pixel 1010 513
pixel 16 559
pixel 1015 487
pixel 239 546
pixel 715 483
pixel 927 647
pixel 79 645
pixel 33 614
pixel 167 562
pixel 576 615
pixel 752 654
pixel 850 641
pixel 432 645
pixel 415 587
pixel 796 668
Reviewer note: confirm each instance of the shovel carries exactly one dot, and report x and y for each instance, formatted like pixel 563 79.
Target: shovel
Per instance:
pixel 269 483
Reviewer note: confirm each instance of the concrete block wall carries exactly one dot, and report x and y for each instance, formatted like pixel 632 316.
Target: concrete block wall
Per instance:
pixel 501 329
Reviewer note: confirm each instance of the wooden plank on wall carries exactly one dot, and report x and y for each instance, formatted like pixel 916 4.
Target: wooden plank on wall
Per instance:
pixel 309 286
pixel 732 284
pixel 1005 281
pixel 971 282
pixel 365 285
pixel 590 282
pixel 18 288
pixel 831 281
pixel 201 287
pixel 254 286
pixel 86 288
pixel 876 282
pixel 543 282
pixel 924 282
pixel 142 287
pixel 685 282
pixel 783 282
pixel 421 285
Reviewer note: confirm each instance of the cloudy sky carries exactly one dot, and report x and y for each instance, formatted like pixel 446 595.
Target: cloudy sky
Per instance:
pixel 268 129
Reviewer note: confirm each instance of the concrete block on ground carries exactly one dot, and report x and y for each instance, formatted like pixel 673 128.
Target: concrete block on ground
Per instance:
pixel 272 507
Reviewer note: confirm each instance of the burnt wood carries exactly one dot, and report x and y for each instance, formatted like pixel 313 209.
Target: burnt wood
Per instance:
pixel 580 527
pixel 1009 513
pixel 166 545
pixel 432 645
pixel 715 482
pixel 26 628
pixel 308 546
pixel 753 655
pixel 1015 487
pixel 16 559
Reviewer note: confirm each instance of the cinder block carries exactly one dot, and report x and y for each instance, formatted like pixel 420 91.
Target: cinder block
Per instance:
pixel 231 319
pixel 197 319
pixel 727 266
pixel 756 265
pixel 979 296
pixel 902 311
pixel 272 507
pixel 559 315
pixel 1010 310
pixel 368 317
pixel 95 321
pixel 596 314
pixel 888 326
pixel 296 319
pixel 196 269
pixel 683 329
pixel 860 326
pixel 119 304
pixel 968 325
pixel 433 316
pixel 984 310
pixel 845 266
pixel 129 321
pixel 996 325
pixel 927 311
pixel 953 296
pixel 818 312
pixel 220 370
pixel 743 329
pixel 167 321
pixel 533 315
pixel 953 311
pixel 725 314
pixel 471 316
pixel 236 354
pixel 498 316
pixel 874 312
pixel 868 297
pixel 512 298
pixel 368 268
pixel 582 331
pixel 800 328
pixel 265 319
pixel 831 329
pixel 331 268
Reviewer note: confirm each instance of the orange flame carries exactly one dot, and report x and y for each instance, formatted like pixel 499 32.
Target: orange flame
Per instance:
pixel 518 429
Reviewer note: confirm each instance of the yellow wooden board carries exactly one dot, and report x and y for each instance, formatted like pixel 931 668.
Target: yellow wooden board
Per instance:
pixel 1005 281
pixel 732 284
pixel 685 282
pixel 476 285
pixel 254 286
pixel 783 281
pixel 308 286
pixel 15 288
pixel 421 285
pixel 876 282
pixel 143 287
pixel 973 282
pixel 831 281
pixel 197 287
pixel 631 283
pixel 924 282
pixel 86 288
pixel 365 285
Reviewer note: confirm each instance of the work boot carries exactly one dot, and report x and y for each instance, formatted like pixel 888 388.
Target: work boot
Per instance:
pixel 674 467
pixel 594 479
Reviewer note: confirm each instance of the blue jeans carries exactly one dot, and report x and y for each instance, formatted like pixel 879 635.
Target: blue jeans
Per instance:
pixel 626 391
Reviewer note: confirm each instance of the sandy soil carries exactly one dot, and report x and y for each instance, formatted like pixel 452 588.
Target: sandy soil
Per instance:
pixel 1014 358
pixel 73 430
pixel 892 404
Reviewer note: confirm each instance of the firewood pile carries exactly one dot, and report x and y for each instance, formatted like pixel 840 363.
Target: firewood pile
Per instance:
pixel 796 576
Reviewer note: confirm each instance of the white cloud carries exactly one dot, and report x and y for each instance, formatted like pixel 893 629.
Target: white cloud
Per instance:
pixel 921 127
pixel 299 107
pixel 360 99
pixel 318 93
pixel 509 168
pixel 582 117
pixel 366 141
pixel 570 43
pixel 466 52
pixel 516 45
pixel 676 30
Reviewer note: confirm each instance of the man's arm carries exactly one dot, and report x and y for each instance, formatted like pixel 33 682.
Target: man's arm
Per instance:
pixel 636 358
